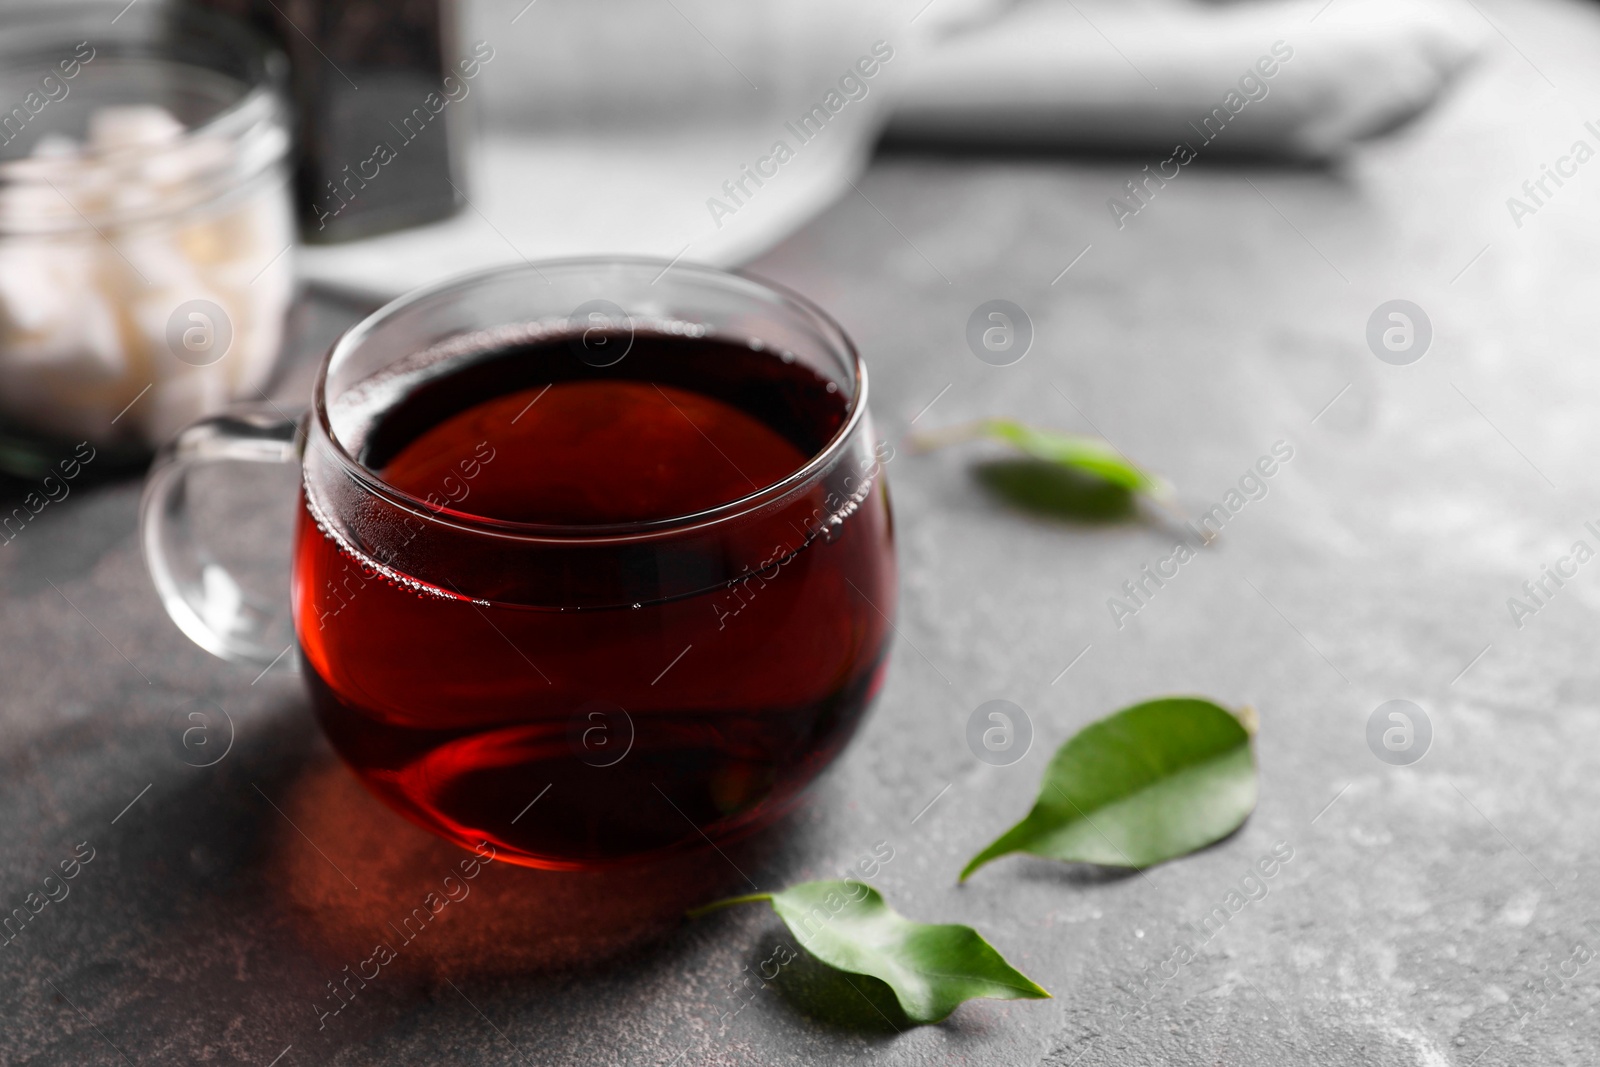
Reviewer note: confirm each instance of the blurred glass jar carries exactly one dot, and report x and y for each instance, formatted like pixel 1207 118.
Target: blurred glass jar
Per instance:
pixel 145 224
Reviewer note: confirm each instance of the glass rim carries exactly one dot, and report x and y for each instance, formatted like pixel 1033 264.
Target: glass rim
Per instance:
pixel 268 66
pixel 834 335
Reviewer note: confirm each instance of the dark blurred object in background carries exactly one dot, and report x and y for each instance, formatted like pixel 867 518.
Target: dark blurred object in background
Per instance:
pixel 372 110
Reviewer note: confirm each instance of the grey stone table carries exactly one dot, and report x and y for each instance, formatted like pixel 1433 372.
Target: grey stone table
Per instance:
pixel 1441 912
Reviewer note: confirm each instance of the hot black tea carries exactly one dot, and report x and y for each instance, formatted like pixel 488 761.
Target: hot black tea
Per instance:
pixel 640 696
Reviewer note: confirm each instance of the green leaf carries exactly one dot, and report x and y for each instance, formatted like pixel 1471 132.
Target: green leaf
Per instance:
pixel 1152 782
pixel 1089 455
pixel 930 968
pixel 1057 492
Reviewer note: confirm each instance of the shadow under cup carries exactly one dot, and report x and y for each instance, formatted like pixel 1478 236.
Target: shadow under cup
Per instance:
pixel 585 695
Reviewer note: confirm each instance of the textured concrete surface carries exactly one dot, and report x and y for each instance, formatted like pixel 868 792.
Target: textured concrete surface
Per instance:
pixel 1432 914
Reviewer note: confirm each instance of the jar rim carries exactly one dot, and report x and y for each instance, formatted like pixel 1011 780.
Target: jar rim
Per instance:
pixel 48 32
pixel 839 343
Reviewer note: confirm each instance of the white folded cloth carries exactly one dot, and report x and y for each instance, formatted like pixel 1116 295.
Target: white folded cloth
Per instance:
pixel 1129 75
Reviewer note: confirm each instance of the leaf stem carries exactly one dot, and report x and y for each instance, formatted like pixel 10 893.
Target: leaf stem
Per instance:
pixel 1249 718
pixel 728 902
pixel 950 435
pixel 1161 498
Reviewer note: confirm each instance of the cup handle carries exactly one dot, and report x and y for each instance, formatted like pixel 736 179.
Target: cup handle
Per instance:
pixel 202 597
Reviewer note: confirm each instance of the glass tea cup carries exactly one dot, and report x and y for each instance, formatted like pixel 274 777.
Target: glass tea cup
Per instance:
pixel 578 692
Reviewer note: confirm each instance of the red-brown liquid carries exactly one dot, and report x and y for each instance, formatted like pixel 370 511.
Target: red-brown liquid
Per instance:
pixel 630 728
